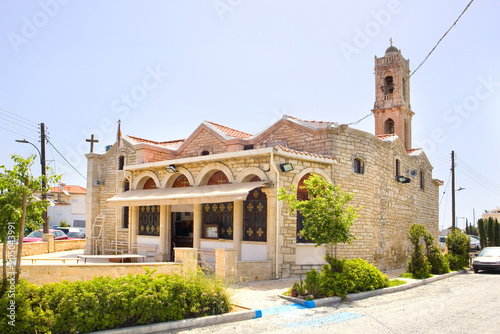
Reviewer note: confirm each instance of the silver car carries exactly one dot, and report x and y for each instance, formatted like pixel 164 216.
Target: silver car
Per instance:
pixel 488 259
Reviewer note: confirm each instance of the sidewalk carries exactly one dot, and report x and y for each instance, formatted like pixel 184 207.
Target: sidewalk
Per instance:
pixel 265 294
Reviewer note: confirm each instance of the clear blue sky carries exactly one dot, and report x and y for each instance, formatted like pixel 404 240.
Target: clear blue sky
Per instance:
pixel 163 67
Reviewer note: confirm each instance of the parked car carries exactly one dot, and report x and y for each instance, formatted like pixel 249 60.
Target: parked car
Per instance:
pixel 475 244
pixel 36 236
pixel 70 229
pixel 488 259
pixel 73 235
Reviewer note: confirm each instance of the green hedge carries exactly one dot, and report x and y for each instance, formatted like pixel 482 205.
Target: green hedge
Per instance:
pixel 106 303
pixel 355 275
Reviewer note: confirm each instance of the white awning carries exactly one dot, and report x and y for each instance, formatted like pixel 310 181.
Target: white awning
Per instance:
pixel 187 195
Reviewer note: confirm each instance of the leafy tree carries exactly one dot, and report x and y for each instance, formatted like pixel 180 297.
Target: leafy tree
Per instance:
pixel 17 205
pixel 458 246
pixel 491 229
pixel 483 239
pixel 496 232
pixel 418 263
pixel 327 220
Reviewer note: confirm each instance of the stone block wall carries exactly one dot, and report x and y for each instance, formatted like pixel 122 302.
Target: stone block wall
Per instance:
pixel 44 274
pixel 38 248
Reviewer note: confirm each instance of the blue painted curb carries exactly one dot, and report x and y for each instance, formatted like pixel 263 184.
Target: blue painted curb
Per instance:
pixel 258 314
pixel 310 304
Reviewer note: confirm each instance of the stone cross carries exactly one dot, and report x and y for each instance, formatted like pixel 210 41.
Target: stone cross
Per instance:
pixel 91 141
pixel 390 40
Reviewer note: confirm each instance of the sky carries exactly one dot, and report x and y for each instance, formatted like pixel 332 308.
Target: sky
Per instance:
pixel 163 67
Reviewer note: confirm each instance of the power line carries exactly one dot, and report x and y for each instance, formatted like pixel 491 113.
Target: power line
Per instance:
pixel 23 119
pixel 69 163
pixel 20 125
pixel 17 133
pixel 426 57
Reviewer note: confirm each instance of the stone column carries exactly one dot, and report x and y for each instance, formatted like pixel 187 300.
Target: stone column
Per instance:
pixel 164 232
pixel 49 239
pixel 92 207
pixel 226 263
pixel 188 257
pixel 197 225
pixel 133 224
pixel 238 227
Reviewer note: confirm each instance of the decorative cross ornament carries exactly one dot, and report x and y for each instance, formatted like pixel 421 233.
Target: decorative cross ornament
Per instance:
pixel 92 141
pixel 390 40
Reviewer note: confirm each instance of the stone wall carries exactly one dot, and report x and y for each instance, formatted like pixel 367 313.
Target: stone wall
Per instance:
pixel 38 248
pixel 44 274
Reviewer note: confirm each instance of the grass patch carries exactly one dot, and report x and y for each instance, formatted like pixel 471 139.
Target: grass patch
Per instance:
pixel 396 282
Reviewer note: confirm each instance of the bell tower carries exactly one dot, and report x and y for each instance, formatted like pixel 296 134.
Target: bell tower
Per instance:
pixel 392 109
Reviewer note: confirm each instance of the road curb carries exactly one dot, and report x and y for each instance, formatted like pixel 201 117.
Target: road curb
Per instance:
pixel 186 323
pixel 372 293
pixel 252 314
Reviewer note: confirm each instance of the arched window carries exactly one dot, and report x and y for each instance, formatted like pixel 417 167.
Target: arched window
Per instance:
pixel 150 184
pixel 149 216
pixel 389 126
pixel 205 152
pixel 218 178
pixel 397 167
pixel 302 195
pixel 358 166
pixel 126 187
pixel 121 162
pixel 181 181
pixel 255 216
pixel 422 180
pixel 388 85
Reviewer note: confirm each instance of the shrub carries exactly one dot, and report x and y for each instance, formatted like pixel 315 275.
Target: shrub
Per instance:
pixel 356 275
pixel 105 303
pixel 418 264
pixel 458 250
pixel 438 262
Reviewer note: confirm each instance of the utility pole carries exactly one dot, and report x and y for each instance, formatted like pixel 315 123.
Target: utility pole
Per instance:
pixel 452 191
pixel 42 161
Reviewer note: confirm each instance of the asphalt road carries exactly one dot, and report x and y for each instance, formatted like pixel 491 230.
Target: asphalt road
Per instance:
pixel 465 303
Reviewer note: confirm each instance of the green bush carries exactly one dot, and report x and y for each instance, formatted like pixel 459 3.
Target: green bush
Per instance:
pixel 439 263
pixel 356 275
pixel 106 303
pixel 458 250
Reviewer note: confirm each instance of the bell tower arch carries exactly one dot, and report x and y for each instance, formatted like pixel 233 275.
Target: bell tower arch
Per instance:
pixel 392 109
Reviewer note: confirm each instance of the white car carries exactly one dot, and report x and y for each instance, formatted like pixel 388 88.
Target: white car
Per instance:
pixel 488 259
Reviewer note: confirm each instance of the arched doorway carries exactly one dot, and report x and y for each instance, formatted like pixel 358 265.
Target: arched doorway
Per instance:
pixel 181 218
pixel 302 195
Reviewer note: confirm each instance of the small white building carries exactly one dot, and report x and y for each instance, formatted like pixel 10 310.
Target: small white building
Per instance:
pixel 67 205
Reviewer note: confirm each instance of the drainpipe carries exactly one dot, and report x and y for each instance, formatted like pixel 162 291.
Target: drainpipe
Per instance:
pixel 277 212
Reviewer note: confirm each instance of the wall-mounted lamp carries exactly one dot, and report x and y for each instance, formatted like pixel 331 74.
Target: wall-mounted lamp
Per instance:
pixel 98 182
pixel 171 169
pixel 403 179
pixel 286 167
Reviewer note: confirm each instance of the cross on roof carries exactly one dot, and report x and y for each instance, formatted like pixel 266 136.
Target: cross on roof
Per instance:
pixel 92 141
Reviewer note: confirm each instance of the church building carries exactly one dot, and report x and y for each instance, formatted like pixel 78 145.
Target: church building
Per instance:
pixel 217 188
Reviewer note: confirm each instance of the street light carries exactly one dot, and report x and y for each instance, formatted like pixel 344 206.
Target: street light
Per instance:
pixel 42 163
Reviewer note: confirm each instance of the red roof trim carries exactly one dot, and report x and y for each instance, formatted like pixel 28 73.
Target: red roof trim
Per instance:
pixel 231 132
pixel 305 153
pixel 159 143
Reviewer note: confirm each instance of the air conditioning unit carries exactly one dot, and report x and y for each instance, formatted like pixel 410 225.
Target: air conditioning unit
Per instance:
pixel 413 172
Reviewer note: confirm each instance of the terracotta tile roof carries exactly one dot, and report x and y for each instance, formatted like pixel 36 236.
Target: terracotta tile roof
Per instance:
pixel 285 149
pixel 412 150
pixel 159 143
pixel 302 120
pixel 310 124
pixel 386 136
pixel 231 132
pixel 69 189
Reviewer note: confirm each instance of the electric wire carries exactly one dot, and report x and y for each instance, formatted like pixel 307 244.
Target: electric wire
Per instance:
pixel 19 134
pixel 425 59
pixel 22 119
pixel 19 125
pixel 69 163
pixel 474 174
